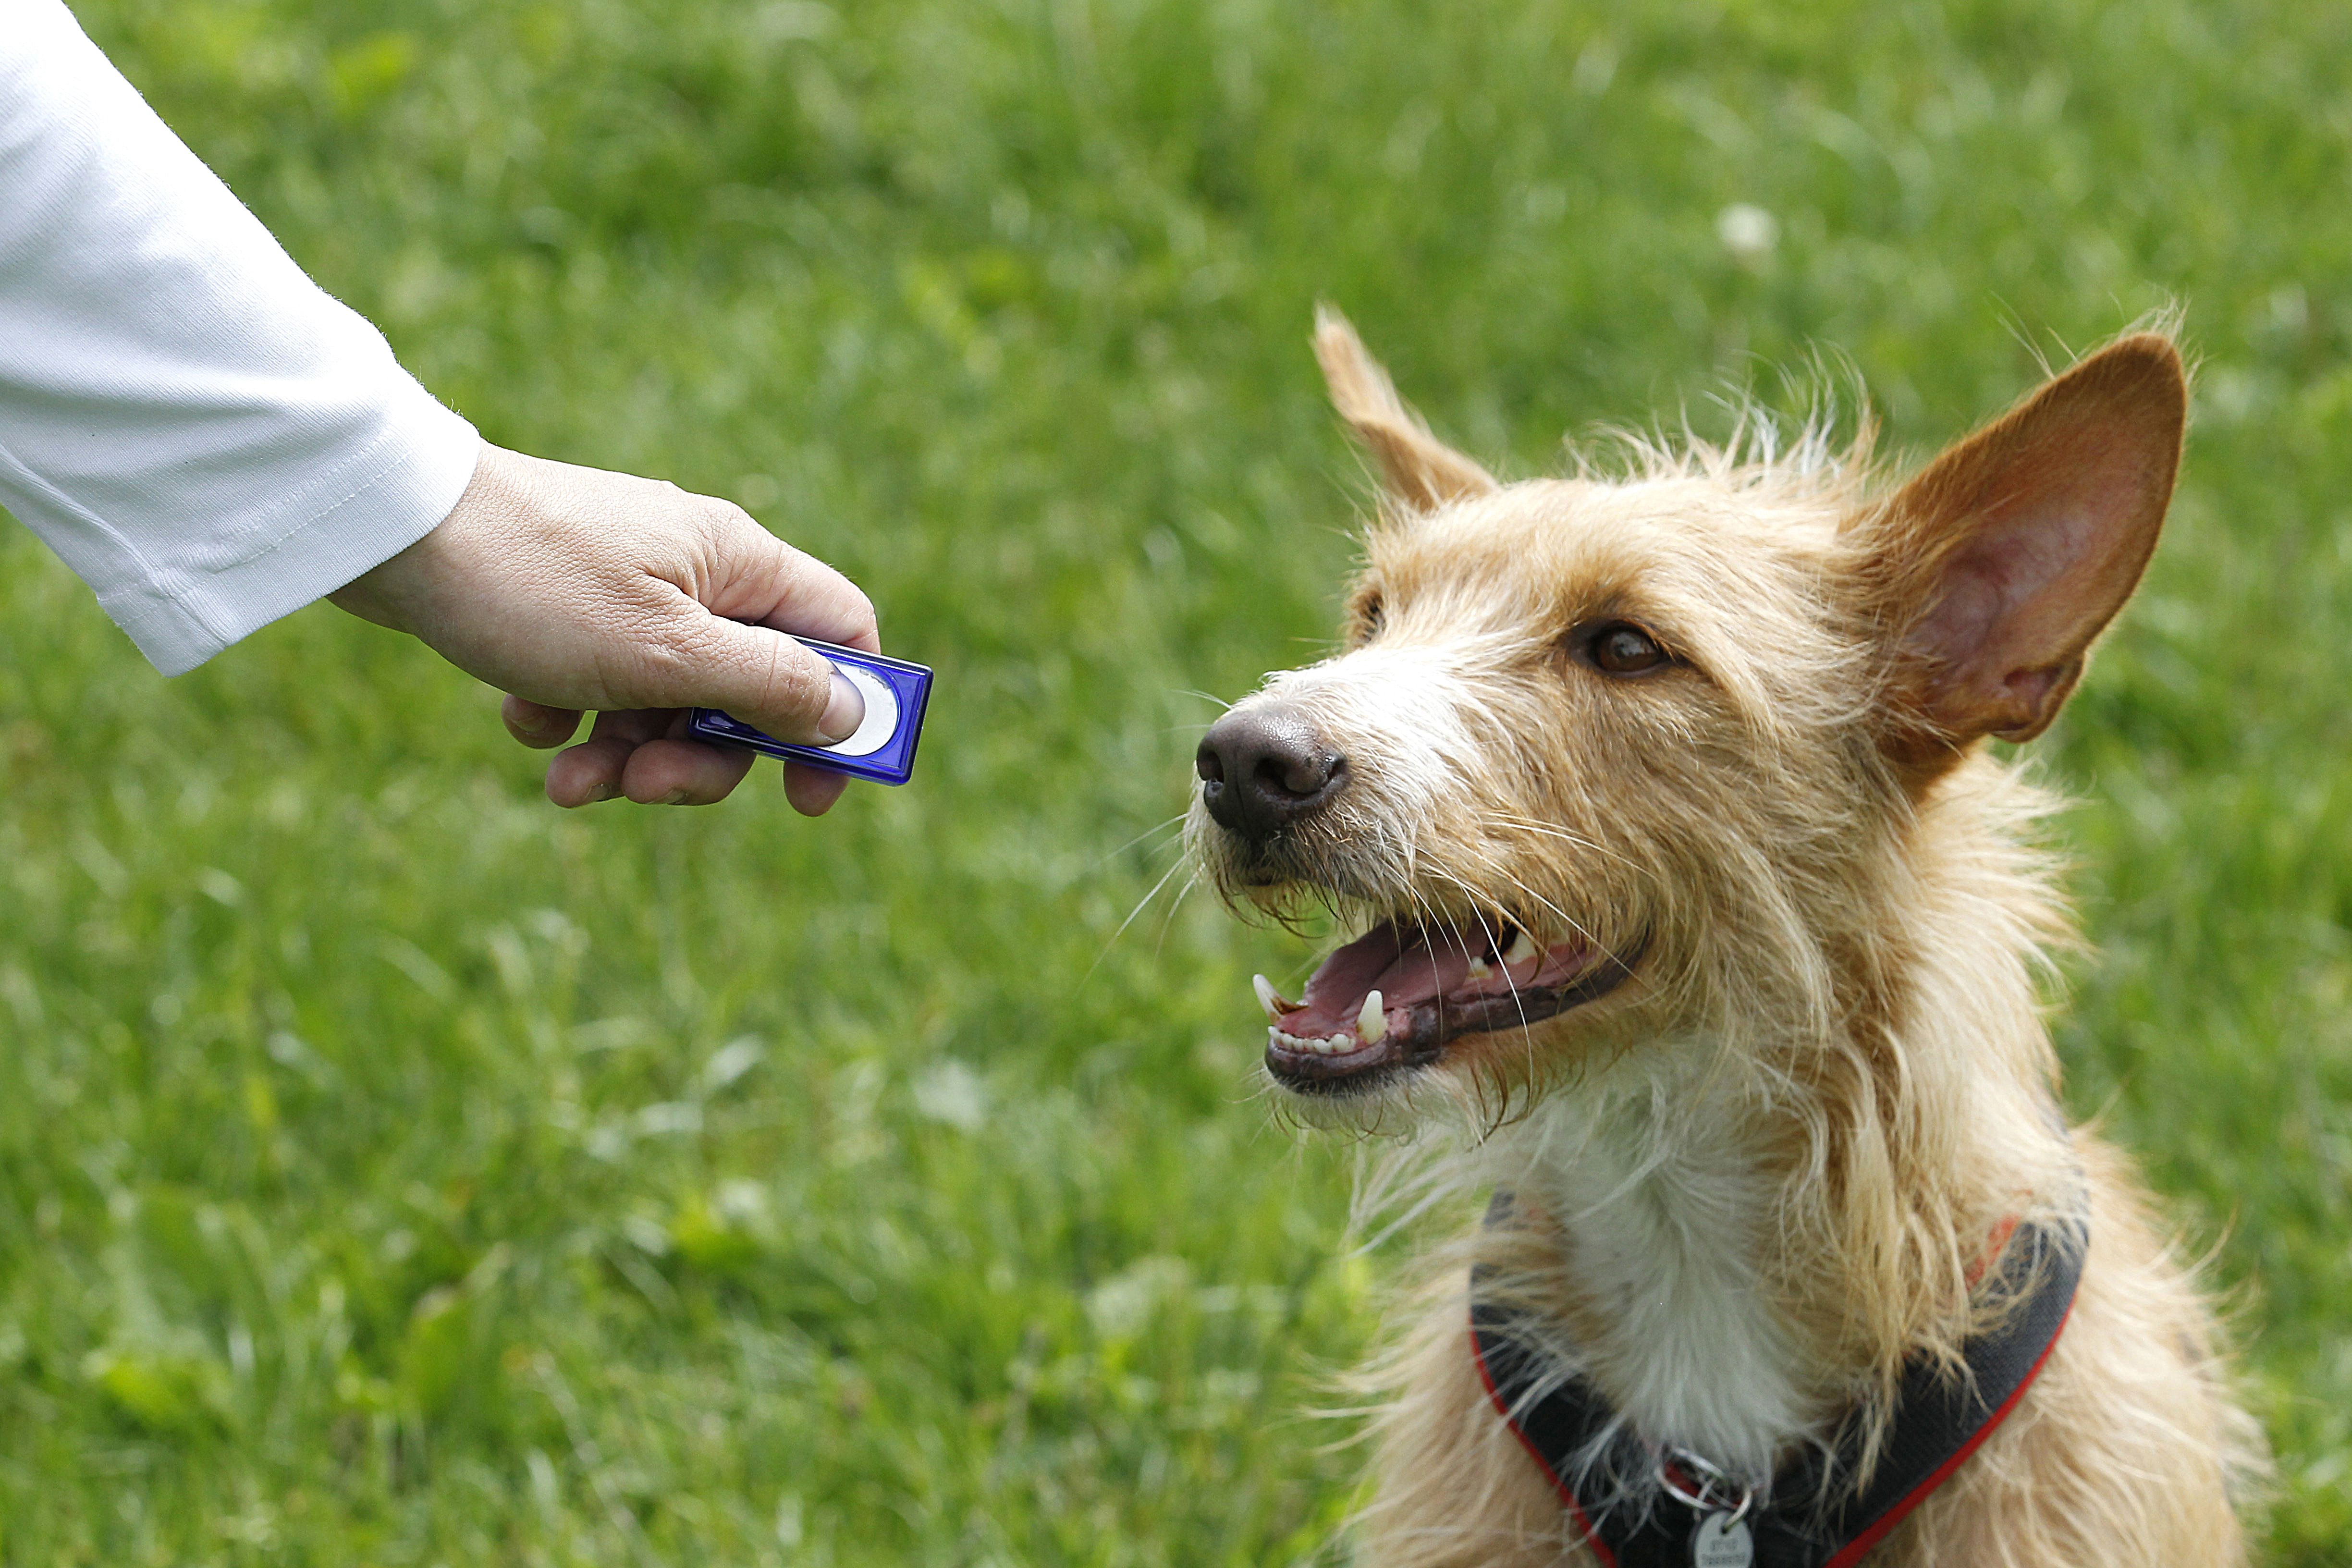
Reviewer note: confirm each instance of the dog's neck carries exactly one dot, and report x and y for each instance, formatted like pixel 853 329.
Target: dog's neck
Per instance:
pixel 1749 1239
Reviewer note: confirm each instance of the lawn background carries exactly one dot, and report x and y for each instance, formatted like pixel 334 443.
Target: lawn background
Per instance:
pixel 396 1169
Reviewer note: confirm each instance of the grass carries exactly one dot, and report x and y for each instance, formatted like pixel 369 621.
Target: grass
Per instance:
pixel 394 1170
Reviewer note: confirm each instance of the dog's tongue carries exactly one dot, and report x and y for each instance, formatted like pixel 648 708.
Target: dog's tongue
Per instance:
pixel 1407 964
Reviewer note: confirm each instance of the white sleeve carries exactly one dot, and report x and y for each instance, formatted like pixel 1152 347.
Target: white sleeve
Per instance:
pixel 197 429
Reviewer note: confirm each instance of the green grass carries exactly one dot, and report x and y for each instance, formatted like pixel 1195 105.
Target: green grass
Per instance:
pixel 394 1170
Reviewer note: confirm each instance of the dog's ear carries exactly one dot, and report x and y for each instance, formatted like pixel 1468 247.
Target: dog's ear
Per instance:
pixel 1418 470
pixel 1997 565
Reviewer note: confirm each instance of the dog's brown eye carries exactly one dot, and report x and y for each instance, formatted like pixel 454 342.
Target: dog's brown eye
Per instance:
pixel 1621 647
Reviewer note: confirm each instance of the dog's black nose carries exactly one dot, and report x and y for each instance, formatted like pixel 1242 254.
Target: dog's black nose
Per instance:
pixel 1264 768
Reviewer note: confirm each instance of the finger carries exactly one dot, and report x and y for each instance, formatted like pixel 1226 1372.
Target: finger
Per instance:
pixel 638 725
pixel 682 773
pixel 537 725
pixel 812 791
pixel 589 772
pixel 764 678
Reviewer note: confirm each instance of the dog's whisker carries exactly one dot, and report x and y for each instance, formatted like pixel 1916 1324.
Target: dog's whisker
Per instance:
pixel 1492 939
pixel 1574 924
pixel 1140 905
pixel 1551 830
pixel 1168 921
pixel 1499 1113
pixel 1176 822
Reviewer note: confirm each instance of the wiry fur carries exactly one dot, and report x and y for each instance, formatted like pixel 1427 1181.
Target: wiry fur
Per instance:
pixel 1762 1175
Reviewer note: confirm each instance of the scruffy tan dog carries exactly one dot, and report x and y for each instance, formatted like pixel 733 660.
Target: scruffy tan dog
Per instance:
pixel 1701 926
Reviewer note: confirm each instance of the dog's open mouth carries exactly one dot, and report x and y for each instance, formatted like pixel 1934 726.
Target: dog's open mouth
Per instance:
pixel 1396 996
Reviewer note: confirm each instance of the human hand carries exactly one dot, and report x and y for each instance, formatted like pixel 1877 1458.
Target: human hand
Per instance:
pixel 573 589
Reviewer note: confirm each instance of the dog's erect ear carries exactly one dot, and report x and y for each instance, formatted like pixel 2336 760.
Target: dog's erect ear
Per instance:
pixel 1417 469
pixel 1999 563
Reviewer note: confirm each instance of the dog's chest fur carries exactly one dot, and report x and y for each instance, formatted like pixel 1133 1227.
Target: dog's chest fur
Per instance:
pixel 1667 1207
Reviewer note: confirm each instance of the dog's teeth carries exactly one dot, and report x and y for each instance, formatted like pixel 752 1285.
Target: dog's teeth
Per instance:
pixel 1268 998
pixel 1523 947
pixel 1480 969
pixel 1370 1021
pixel 1318 1044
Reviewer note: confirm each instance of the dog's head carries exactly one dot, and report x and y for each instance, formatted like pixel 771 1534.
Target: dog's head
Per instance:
pixel 1604 761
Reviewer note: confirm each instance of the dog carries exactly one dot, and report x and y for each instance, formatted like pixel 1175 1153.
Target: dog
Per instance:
pixel 1692 916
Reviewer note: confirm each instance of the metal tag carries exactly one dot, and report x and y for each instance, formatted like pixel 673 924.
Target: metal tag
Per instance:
pixel 1721 1540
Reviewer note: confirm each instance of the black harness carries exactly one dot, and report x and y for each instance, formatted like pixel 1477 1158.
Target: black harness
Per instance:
pixel 1808 1520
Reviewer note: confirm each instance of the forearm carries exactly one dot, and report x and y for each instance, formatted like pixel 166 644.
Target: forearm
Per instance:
pixel 202 434
pixel 211 442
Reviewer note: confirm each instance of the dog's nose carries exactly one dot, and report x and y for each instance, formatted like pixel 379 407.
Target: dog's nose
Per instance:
pixel 1264 768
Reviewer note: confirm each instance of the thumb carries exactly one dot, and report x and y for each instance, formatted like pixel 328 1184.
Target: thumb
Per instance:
pixel 753 583
pixel 752 576
pixel 768 681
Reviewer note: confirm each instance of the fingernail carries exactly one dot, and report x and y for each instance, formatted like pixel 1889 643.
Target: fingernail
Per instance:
pixel 844 713
pixel 675 797
pixel 601 792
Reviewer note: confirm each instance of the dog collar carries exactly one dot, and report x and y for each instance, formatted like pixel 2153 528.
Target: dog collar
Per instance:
pixel 1808 1520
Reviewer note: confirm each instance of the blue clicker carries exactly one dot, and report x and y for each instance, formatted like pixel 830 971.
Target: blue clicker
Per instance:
pixel 883 749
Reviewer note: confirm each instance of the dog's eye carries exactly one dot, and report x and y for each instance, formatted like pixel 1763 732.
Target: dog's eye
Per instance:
pixel 1621 647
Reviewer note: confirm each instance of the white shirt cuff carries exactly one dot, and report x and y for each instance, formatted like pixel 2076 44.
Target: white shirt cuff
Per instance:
pixel 396 494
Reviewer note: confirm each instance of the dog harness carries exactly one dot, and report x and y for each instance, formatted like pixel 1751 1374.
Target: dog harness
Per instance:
pixel 1806 1521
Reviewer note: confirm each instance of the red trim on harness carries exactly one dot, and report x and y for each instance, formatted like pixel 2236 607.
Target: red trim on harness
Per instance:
pixel 1576 1509
pixel 1860 1546
pixel 1993 1248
